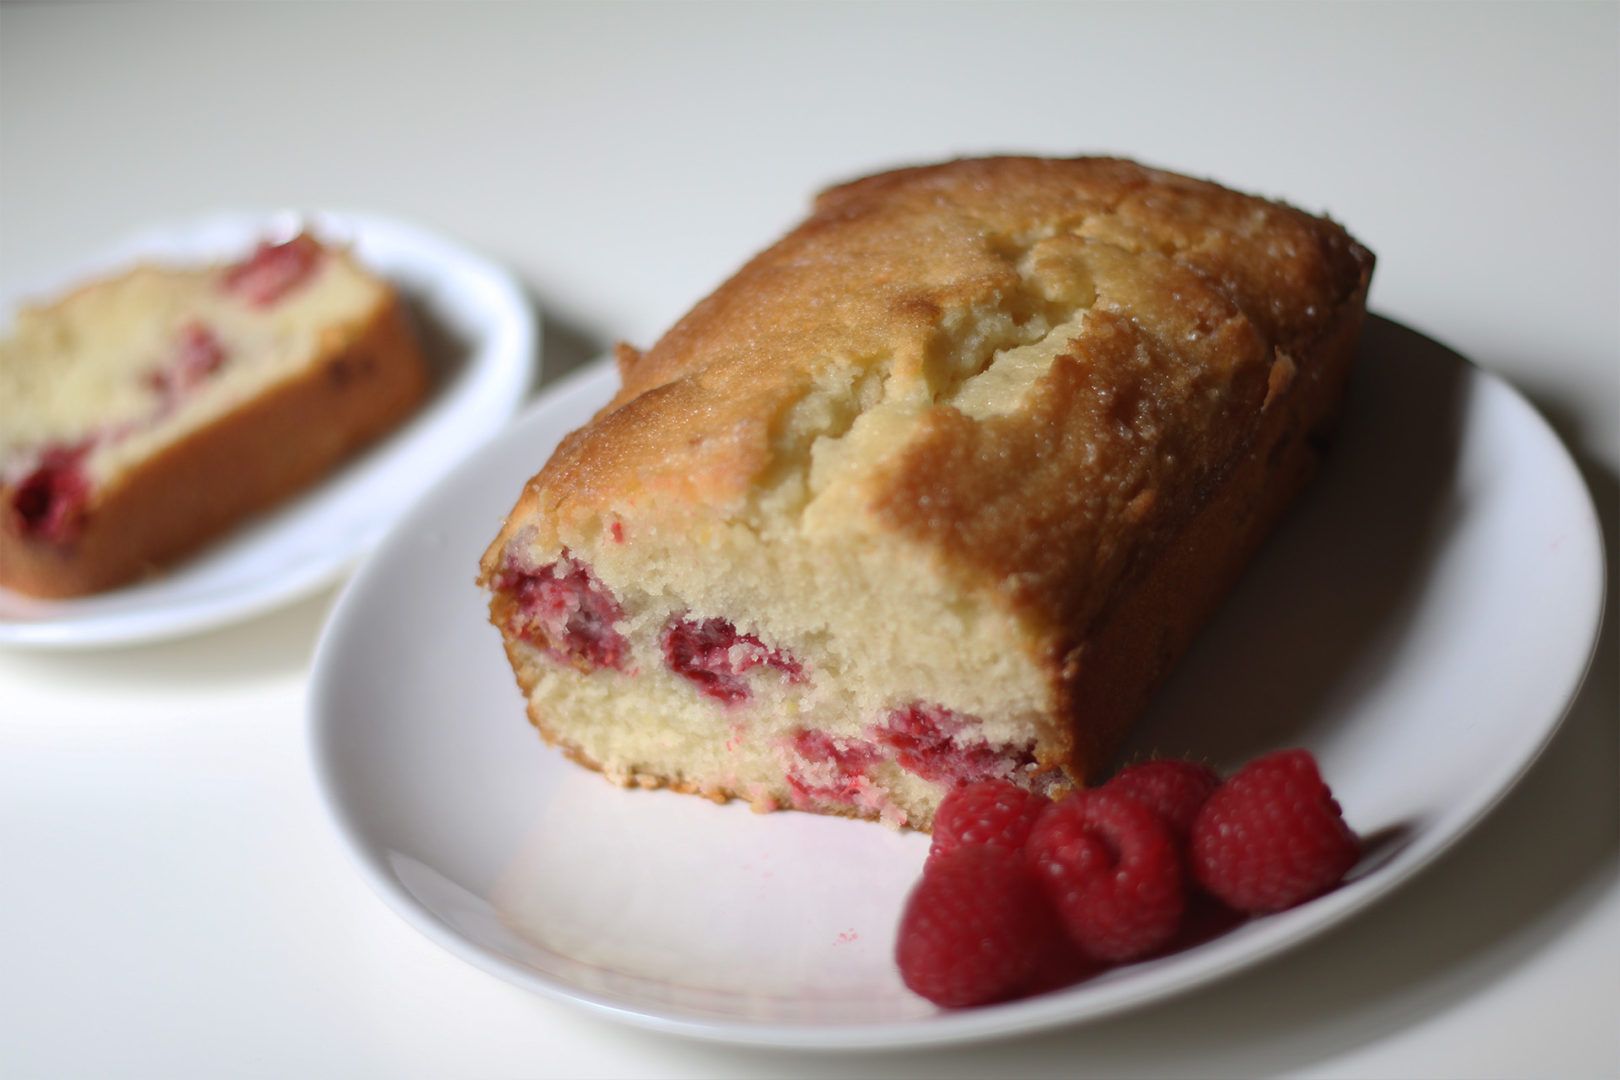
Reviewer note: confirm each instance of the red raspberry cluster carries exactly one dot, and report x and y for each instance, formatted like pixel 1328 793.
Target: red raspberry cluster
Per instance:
pixel 1022 895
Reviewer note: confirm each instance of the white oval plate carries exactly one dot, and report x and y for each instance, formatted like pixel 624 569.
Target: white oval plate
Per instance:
pixel 481 337
pixel 1421 622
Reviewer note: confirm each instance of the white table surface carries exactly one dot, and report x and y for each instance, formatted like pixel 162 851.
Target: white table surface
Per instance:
pixel 172 901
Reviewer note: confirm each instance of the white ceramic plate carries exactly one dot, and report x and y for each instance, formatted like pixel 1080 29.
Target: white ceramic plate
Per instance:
pixel 1421 623
pixel 481 338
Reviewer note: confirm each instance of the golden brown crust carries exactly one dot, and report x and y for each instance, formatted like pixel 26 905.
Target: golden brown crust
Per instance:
pixel 880 264
pixel 1107 675
pixel 249 460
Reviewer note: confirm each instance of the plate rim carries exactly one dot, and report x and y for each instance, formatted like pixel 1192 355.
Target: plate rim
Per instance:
pixel 512 362
pixel 1026 1016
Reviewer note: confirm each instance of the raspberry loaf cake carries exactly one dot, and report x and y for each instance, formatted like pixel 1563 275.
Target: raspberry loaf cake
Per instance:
pixel 143 415
pixel 934 490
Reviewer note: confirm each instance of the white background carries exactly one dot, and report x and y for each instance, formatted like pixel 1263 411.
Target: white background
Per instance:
pixel 171 900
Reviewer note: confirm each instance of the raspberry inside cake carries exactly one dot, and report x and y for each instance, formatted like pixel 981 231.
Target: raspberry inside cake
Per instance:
pixel 933 491
pixel 141 414
pixel 633 678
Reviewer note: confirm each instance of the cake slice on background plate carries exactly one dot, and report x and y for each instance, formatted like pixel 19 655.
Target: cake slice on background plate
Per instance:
pixel 145 414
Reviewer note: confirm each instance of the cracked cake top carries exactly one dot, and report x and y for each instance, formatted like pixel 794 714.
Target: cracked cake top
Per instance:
pixel 1012 362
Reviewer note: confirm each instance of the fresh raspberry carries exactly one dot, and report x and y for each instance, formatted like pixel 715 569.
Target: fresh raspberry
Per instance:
pixel 975 928
pixel 1062 964
pixel 994 812
pixel 1272 836
pixel 1206 919
pixel 1174 789
pixel 1113 870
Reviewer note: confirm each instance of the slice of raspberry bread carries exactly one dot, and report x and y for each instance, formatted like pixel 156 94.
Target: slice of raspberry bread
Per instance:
pixel 934 490
pixel 142 415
